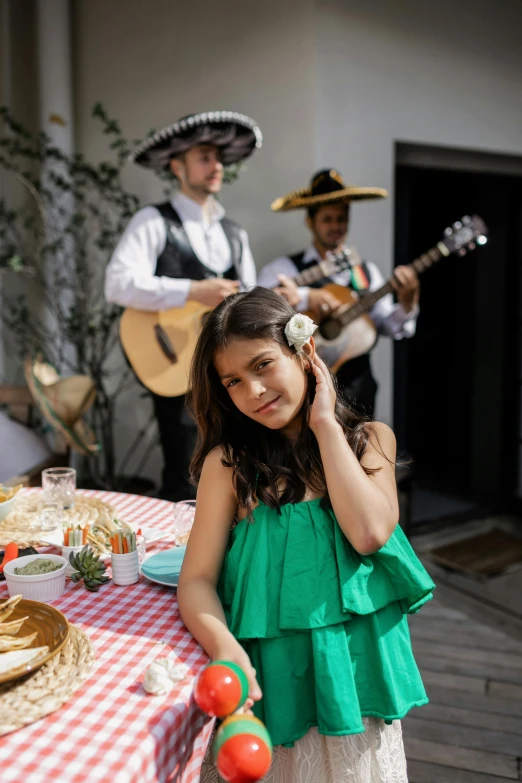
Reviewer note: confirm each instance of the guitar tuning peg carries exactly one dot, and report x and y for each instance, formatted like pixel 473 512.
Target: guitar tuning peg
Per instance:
pixel 457 225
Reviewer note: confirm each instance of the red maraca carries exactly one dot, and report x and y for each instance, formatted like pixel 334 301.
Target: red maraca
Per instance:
pixel 221 689
pixel 242 749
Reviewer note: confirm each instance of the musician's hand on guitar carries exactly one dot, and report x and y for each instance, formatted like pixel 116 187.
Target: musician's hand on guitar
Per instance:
pixel 322 302
pixel 406 283
pixel 212 292
pixel 288 290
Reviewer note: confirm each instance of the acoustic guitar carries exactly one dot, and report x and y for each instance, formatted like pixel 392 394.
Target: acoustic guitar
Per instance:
pixel 160 345
pixel 349 332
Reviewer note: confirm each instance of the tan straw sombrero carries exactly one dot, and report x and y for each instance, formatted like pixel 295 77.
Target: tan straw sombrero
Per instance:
pixel 63 402
pixel 326 187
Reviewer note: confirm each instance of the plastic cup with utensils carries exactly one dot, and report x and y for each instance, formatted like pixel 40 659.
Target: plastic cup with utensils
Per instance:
pixel 125 568
pixel 59 484
pixel 66 551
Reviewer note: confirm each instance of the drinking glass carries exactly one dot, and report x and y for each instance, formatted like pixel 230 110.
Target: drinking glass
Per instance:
pixel 59 485
pixel 50 512
pixel 184 513
pixel 142 549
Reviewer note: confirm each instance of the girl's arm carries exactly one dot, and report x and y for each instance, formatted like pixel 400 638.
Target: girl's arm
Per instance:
pixel 198 601
pixel 366 506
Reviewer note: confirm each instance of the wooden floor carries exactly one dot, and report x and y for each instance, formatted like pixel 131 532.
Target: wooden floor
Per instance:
pixel 471 732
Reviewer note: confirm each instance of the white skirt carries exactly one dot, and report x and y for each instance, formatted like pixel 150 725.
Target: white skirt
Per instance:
pixel 373 756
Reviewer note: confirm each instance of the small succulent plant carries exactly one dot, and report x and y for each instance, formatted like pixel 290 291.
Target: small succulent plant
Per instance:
pixel 89 567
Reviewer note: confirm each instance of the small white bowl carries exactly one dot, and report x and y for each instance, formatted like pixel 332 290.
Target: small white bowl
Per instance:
pixel 38 587
pixel 7 506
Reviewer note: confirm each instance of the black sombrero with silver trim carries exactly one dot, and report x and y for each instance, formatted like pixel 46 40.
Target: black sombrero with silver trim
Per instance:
pixel 236 135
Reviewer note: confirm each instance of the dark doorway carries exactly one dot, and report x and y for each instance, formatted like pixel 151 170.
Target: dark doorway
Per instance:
pixel 457 382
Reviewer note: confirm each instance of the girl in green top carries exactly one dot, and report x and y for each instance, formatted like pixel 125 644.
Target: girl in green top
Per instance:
pixel 296 568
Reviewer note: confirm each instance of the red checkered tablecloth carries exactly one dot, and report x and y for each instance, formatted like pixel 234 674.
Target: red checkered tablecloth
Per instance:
pixel 111 731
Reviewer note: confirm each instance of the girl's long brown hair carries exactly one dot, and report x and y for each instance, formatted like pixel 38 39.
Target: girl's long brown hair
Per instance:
pixel 264 461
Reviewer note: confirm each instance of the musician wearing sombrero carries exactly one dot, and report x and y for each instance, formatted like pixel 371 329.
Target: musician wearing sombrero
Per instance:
pixel 185 249
pixel 327 202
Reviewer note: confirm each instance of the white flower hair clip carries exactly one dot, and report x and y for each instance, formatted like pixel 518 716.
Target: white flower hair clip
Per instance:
pixel 298 331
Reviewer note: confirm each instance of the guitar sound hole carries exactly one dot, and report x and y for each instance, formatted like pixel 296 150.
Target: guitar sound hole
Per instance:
pixel 330 329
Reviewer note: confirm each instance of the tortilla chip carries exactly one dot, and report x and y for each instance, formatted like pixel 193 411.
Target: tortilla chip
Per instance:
pixel 6 493
pixel 8 643
pixel 12 627
pixel 12 660
pixel 7 607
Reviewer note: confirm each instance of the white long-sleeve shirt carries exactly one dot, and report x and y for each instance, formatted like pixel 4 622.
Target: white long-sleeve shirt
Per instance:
pixel 389 318
pixel 130 280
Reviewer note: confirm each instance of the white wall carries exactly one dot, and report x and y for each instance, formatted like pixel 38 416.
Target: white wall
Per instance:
pixel 150 63
pixel 441 73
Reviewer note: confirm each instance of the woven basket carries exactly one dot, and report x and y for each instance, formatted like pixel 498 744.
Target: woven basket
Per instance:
pixel 44 691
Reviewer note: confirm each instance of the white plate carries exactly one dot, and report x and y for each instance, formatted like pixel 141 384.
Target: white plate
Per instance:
pixel 150 535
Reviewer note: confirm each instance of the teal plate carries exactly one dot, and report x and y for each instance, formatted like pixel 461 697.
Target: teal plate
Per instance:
pixel 164 567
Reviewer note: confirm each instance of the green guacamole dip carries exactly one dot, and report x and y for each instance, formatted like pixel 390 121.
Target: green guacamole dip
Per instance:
pixel 38 567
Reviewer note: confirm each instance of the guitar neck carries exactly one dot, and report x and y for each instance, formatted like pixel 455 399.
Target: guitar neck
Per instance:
pixel 319 271
pixel 366 302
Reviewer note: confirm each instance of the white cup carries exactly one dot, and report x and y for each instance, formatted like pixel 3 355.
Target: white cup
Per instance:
pixel 66 551
pixel 125 568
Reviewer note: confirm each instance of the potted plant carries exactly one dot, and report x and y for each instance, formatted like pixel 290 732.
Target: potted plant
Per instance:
pixel 53 254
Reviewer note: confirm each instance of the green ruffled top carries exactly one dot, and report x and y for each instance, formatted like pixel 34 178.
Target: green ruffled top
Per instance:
pixel 324 626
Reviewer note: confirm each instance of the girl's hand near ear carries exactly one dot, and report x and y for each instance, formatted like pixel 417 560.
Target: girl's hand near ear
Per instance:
pixel 323 407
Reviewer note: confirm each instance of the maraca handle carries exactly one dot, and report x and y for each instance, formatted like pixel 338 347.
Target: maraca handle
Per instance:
pixel 221 689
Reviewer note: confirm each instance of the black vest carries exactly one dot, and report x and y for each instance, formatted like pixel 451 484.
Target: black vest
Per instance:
pixel 178 259
pixel 297 259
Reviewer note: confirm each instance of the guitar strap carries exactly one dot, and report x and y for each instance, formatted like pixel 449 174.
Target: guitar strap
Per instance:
pixel 360 276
